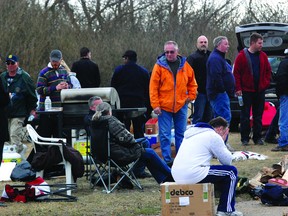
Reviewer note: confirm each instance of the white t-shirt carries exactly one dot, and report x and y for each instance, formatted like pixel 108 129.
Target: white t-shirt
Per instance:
pixel 198 147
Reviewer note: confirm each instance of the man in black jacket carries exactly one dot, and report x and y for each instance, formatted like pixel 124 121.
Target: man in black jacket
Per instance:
pixel 197 60
pixel 4 136
pixel 282 93
pixel 87 72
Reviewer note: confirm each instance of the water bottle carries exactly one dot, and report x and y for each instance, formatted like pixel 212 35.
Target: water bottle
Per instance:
pixel 31 117
pixel 48 103
pixel 240 100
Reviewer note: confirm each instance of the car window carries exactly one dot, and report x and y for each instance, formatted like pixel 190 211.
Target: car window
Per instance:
pixel 274 62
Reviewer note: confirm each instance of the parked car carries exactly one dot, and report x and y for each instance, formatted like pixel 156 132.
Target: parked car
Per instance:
pixel 275 42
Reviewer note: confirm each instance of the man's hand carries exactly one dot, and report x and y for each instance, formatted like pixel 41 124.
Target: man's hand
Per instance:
pixel 238 93
pixel 188 100
pixel 157 111
pixel 62 85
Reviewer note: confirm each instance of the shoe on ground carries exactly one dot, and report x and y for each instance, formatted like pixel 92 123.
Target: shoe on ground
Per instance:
pixel 271 140
pixel 235 213
pixel 143 175
pixel 279 148
pixel 245 143
pixel 259 142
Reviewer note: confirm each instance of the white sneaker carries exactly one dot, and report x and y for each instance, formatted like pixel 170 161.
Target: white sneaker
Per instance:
pixel 235 213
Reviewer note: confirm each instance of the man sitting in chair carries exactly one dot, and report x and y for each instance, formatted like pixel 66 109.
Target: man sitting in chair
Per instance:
pixel 125 149
pixel 93 102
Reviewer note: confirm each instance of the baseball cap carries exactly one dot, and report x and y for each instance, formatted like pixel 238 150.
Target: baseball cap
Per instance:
pixel 130 53
pixel 11 57
pixel 56 55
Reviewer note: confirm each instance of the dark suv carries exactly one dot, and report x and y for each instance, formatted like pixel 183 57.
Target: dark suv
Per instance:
pixel 275 42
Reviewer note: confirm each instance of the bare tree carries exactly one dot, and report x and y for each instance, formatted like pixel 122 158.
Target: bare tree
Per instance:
pixel 31 29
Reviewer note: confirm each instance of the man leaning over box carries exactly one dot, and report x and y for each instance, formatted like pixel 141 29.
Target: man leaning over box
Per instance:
pixel 201 143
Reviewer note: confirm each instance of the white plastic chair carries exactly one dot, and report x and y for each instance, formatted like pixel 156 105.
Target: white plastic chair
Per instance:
pixel 35 137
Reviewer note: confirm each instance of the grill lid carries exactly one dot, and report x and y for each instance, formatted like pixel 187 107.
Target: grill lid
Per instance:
pixel 108 94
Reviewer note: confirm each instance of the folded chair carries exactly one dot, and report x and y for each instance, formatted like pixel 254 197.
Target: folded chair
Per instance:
pixel 45 141
pixel 100 158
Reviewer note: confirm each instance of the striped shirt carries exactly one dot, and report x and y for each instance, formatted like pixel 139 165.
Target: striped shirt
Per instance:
pixel 47 81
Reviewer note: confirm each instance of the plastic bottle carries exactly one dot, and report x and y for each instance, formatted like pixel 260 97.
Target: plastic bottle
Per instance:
pixel 48 103
pixel 240 100
pixel 30 119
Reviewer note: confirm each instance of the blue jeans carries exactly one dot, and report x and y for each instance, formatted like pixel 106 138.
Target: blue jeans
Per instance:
pixel 165 126
pixel 221 106
pixel 157 167
pixel 283 121
pixel 225 177
pixel 202 109
pixel 140 166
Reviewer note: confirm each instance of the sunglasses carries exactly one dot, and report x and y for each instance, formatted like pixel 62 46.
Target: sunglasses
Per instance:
pixel 10 62
pixel 170 52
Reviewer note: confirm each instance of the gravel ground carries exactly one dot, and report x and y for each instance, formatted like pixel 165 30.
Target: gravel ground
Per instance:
pixel 256 208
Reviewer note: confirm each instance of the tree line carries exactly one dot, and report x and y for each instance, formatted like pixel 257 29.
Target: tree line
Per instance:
pixel 32 28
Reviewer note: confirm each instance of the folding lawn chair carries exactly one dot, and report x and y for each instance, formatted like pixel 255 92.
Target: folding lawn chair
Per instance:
pixel 58 142
pixel 100 157
pixel 51 192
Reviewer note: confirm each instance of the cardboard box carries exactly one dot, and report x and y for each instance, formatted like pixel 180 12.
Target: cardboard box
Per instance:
pixel 80 145
pixel 187 199
pixel 152 138
pixel 151 126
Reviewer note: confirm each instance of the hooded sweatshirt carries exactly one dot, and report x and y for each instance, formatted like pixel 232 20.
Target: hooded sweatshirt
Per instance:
pixel 200 144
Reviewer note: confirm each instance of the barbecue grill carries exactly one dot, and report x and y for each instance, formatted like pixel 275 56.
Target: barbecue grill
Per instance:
pixel 75 104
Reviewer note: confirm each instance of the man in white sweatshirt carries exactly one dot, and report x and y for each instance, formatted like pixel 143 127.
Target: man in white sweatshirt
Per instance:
pixel 201 143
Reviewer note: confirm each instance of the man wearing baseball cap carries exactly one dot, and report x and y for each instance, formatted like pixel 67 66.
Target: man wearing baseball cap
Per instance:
pixel 23 100
pixel 51 80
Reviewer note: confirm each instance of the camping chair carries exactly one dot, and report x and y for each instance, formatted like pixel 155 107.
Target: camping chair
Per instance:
pixel 100 157
pixel 38 140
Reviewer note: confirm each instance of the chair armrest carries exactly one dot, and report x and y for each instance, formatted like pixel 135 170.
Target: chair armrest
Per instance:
pixel 48 143
pixel 50 139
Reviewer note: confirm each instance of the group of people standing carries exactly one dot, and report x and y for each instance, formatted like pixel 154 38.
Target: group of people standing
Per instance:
pixel 20 101
pixel 205 77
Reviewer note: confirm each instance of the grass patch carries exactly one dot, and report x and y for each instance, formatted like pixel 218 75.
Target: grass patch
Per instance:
pixel 132 202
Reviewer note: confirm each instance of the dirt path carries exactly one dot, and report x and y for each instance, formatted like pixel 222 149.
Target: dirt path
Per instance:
pixel 256 208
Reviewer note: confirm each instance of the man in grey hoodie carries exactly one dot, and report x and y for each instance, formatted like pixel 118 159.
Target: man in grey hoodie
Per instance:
pixel 201 143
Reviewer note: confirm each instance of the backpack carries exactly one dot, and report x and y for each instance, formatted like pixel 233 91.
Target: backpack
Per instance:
pixel 274 195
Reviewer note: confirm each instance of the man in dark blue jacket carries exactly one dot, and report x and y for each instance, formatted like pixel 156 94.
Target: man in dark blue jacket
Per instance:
pixel 132 84
pixel 220 80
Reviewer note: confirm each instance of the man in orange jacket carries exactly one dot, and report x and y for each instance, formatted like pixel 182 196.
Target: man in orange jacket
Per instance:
pixel 172 87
